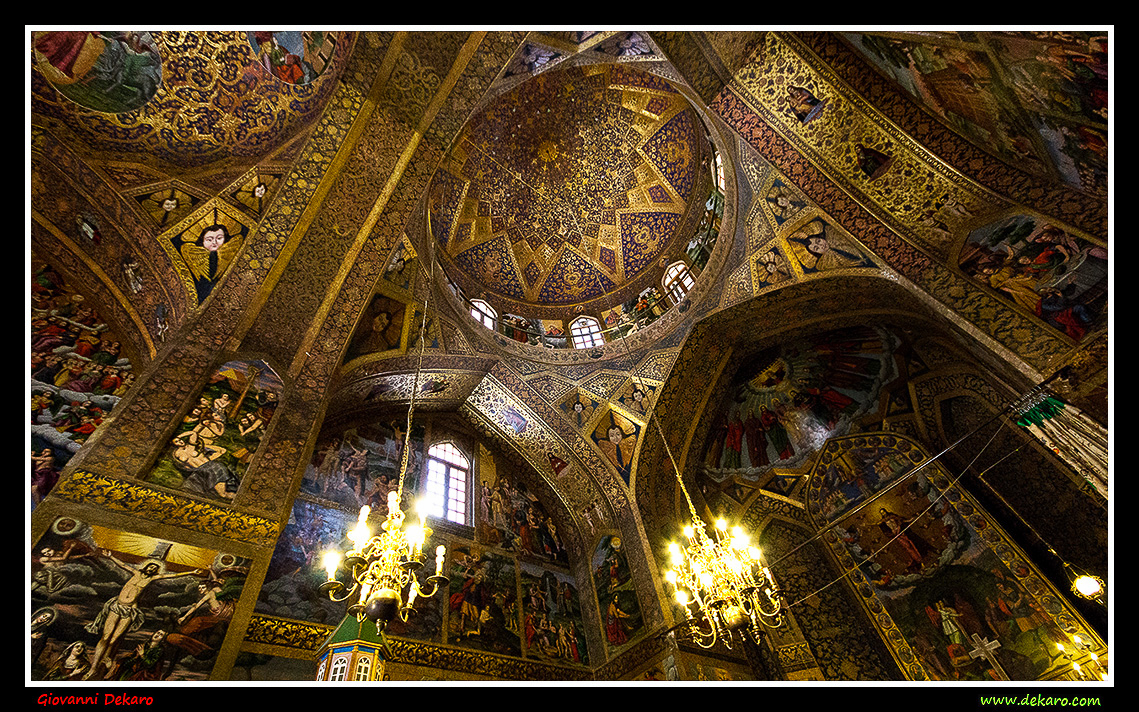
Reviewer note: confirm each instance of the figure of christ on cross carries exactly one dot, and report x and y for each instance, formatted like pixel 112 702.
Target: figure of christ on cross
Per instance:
pixel 121 614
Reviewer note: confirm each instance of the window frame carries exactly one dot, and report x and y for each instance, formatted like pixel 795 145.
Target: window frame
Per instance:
pixel 678 281
pixel 363 668
pixel 449 468
pixel 484 312
pixel 593 335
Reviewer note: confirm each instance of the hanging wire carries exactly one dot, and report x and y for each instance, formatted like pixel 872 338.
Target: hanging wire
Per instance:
pixel 1018 403
pixel 913 520
pixel 418 370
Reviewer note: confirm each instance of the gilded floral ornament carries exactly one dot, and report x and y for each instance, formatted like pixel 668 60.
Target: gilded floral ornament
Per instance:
pixel 166 508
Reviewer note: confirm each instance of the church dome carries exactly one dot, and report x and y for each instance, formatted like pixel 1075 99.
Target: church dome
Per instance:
pixel 570 191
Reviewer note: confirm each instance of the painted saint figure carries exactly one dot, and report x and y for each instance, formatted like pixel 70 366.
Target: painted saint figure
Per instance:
pixel 208 257
pixel 122 614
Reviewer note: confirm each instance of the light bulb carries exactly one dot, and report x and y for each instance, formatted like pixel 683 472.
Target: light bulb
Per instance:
pixel 1087 586
pixel 331 562
pixel 670 576
pixel 359 535
pixel 414 536
pixel 721 525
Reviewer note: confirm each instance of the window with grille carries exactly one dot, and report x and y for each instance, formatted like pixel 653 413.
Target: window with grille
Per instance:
pixel 339 667
pixel 484 313
pixel 586 333
pixel 677 281
pixel 448 472
pixel 363 668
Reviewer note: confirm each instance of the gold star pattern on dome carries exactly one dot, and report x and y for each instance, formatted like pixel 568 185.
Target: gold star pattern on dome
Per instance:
pixel 568 187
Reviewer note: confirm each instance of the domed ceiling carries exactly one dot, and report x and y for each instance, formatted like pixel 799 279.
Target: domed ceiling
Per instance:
pixel 184 99
pixel 568 189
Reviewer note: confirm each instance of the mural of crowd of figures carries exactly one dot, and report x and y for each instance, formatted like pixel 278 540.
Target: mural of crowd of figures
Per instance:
pixel 967 605
pixel 616 595
pixel 113 72
pixel 1060 278
pixel 360 465
pixel 483 602
pixel 786 403
pixel 114 605
pixel 291 587
pixel 512 541
pixel 215 441
pixel 1025 96
pixel 511 518
pixel 78 375
pixel 551 617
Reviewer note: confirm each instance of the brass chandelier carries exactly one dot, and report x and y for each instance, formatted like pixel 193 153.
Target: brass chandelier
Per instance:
pixel 383 565
pixel 725 580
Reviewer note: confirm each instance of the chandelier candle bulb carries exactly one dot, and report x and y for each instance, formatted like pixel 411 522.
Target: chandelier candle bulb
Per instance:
pixel 331 563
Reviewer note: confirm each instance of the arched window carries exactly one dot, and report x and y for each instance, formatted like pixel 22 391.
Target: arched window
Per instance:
pixel 586 332
pixel 363 668
pixel 484 313
pixel 339 667
pixel 719 172
pixel 448 473
pixel 677 281
pixel 323 665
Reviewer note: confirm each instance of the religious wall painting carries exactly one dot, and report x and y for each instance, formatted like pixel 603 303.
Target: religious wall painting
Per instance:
pixel 515 420
pixel 771 267
pixel 425 622
pixel 964 88
pixel 167 206
pixel 294 56
pixel 381 328
pixel 1060 278
pixel 553 334
pixel 206 248
pixel 360 465
pixel 787 401
pixel 114 605
pixel 616 594
pixel 803 105
pixel 214 443
pixel 518 328
pixel 88 228
pixel 432 334
pixel 617 436
pixel 964 601
pixel 783 201
pixel 78 374
pixel 110 72
pixel 402 265
pixel 552 629
pixel 819 247
pixel 511 517
pixel 637 398
pixel 296 570
pixel 579 407
pixel 1078 150
pixel 256 192
pixel 1069 78
pixel 483 602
